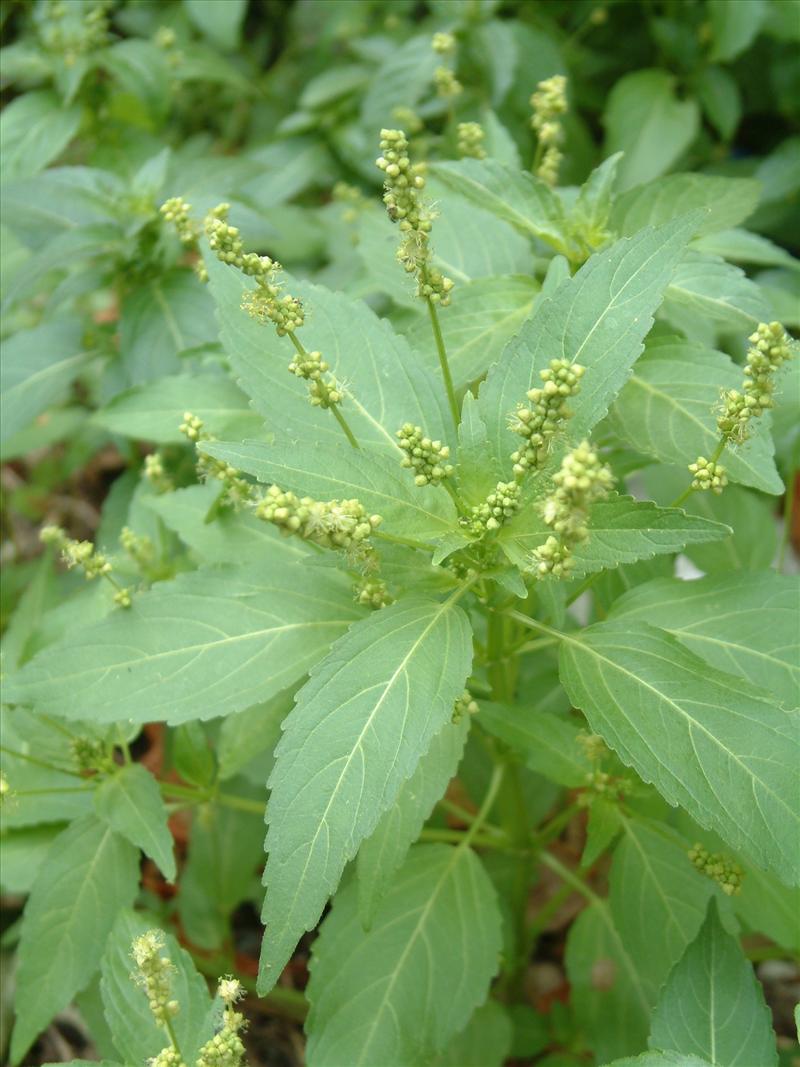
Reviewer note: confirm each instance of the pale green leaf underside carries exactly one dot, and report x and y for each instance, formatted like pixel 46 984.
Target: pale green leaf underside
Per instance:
pixel 707 740
pixel 211 642
pixel 621 530
pixel 484 1042
pixel 712 1005
pixel 400 992
pixel 385 849
pixel 726 202
pixel 89 875
pixel 136 1034
pixel 660 1059
pixel 378 481
pixel 718 291
pixel 598 318
pixel 667 410
pixel 360 725
pixel 746 624
pixel 130 802
pixel 546 742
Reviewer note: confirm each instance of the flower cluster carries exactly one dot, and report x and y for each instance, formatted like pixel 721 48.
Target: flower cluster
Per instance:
pixel 593 745
pixel 372 593
pixel 721 868
pixel 83 554
pixel 236 490
pixel 328 523
pixel 5 789
pixel 154 975
pixel 768 352
pixel 323 392
pixel 427 458
pixel 464 705
pixel 73 31
pixel 167 1057
pixel 581 480
pixel 155 474
pixel 607 785
pixel 406 206
pixel 549 102
pixel 708 475
pixel 225 1048
pixel 500 506
pixel 90 755
pixel 407 119
pixel 470 140
pixel 444 44
pixel 139 547
pixel 446 83
pixel 226 244
pixel 547 411
pixel 176 211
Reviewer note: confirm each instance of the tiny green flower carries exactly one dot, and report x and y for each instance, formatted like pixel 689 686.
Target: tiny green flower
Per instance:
pixel 549 103
pixel 446 83
pixel 427 458
pixel 464 705
pixel 708 475
pixel 722 869
pixel 541 420
pixel 372 593
pixel 153 974
pixel 177 212
pixel 500 507
pixel 341 524
pixel 323 392
pixel 769 350
pixel 444 44
pixel 470 140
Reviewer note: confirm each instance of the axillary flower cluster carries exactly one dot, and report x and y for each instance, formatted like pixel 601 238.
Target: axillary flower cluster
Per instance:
pixel 341 524
pixel 549 103
pixel 84 554
pixel 769 350
pixel 723 870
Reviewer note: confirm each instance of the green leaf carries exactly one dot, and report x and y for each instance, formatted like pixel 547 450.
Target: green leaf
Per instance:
pixel 621 530
pixel 646 120
pixel 718 93
pixel 593 206
pixel 136 1035
pixel 245 634
pixel 768 907
pixel 162 319
pixel 246 740
pixel 37 368
pixel 660 1059
pixel 602 827
pixel 218 20
pixel 89 875
pixel 360 725
pixel 141 72
pixel 741 246
pixel 718 291
pixel 712 1005
pixel 383 382
pixel 734 27
pixel 130 803
pixel 402 991
pixel 746 624
pixel 522 200
pixel 707 741
pixel 34 129
pixel 546 742
pixel 597 318
pixel 384 851
pixel 484 315
pixel 60 199
pixel 399 81
pixel 153 412
pixel 233 537
pixel 476 471
pixel 22 853
pixel 486 1039
pixel 377 480
pixel 657 898
pixel 667 410
pixel 724 202
pixel 609 997
pixel 192 756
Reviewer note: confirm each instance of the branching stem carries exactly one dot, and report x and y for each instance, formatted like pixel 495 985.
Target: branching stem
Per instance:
pixel 442 351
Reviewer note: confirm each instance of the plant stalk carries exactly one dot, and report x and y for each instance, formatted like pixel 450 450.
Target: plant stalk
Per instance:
pixel 442 351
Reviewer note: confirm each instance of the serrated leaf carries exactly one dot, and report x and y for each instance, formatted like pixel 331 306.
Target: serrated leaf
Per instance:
pixel 484 315
pixel 403 990
pixel 609 996
pixel 668 410
pixel 545 741
pixel 718 290
pixel 602 827
pixel 154 412
pixel 657 898
pixel 245 634
pixel 646 120
pixel 129 801
pixel 707 741
pixel 384 851
pixel 660 1059
pixel 89 875
pixel 598 318
pixel 378 481
pixel 741 246
pixel 593 206
pixel 484 1042
pixel 526 202
pixel 621 530
pixel 724 201
pixel 384 384
pixel 34 129
pixel 712 1005
pixel 136 1035
pixel 745 624
pixel 360 725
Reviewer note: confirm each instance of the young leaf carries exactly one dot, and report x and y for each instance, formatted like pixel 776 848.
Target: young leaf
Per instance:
pixel 360 725
pixel 135 1032
pixel 724 201
pixel 712 1006
pixel 219 20
pixel 667 410
pixel 486 1039
pixel 403 990
pixel 621 530
pixel 597 318
pixel 478 473
pixel 645 120
pixel 384 851
pixel 745 624
pixel 130 802
pixel 546 742
pixel 527 203
pixel 734 26
pixel 245 634
pixel 708 741
pixel 89 875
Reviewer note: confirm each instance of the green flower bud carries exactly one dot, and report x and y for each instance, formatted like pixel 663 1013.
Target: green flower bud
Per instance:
pixel 444 44
pixel 722 869
pixel 446 83
pixel 154 975
pixel 464 705
pixel 372 593
pixel 176 211
pixel 155 474
pixel 167 1057
pixel 708 475
pixel 323 392
pixel 427 458
pixel 332 524
pixel 500 507
pixel 470 140
pixel 542 419
pixel 768 352
pixel 549 102
pixel 593 745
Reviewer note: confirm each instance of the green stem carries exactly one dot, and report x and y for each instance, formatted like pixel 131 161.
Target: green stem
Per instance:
pixel 458 837
pixel 688 492
pixel 788 511
pixel 448 379
pixel 172 1038
pixel 587 583
pixel 393 539
pixel 554 827
pixel 228 800
pixel 534 624
pixel 334 407
pixel 459 503
pixel 486 807
pixel 55 789
pixel 568 876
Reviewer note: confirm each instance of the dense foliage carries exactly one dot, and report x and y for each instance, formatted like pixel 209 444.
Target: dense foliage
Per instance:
pixel 436 511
